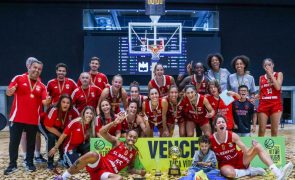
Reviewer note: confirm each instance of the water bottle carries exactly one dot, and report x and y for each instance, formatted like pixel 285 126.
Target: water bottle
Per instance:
pixel 156 132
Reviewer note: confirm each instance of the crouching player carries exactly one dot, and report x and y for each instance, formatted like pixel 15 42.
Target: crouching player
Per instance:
pixel 121 155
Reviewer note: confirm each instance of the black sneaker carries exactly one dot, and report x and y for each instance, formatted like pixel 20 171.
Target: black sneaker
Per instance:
pixel 40 159
pixel 50 166
pixel 10 170
pixel 30 167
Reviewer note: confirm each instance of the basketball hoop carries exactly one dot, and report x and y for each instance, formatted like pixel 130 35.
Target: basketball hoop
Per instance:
pixel 155 51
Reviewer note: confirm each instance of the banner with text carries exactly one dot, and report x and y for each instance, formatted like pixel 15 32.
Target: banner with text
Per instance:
pixel 154 151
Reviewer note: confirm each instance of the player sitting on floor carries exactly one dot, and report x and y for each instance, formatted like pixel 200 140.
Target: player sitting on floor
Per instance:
pixel 108 167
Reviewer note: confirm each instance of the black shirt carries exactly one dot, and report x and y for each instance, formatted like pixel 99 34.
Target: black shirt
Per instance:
pixel 243 114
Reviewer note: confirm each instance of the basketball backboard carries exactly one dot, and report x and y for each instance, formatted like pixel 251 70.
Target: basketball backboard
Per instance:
pixel 151 38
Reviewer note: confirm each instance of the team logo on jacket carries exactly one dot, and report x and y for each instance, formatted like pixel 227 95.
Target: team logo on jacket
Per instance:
pixel 99 79
pixel 92 94
pixel 246 107
pixel 67 86
pixel 38 88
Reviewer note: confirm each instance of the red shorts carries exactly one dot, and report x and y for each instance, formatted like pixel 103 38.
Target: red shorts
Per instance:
pixel 98 169
pixel 236 163
pixel 269 107
pixel 200 121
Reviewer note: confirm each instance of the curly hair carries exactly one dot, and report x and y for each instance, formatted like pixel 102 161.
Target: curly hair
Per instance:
pixel 210 56
pixel 243 58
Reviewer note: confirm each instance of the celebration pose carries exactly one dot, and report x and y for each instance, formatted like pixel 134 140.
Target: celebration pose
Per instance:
pixel 235 163
pixel 198 79
pixel 195 111
pixel 270 105
pixel 161 82
pixel 243 112
pixel 61 84
pixel 216 72
pixel 121 155
pixel 105 117
pixel 134 121
pixel 155 109
pixel 115 94
pixel 29 96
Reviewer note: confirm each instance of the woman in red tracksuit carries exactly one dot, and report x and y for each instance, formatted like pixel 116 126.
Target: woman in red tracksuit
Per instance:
pixel 56 120
pixel 76 135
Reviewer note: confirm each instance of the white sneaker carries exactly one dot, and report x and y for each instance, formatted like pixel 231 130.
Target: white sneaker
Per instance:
pixel 287 169
pixel 256 171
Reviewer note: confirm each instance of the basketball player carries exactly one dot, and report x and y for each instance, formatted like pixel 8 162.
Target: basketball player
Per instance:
pixel 175 112
pixel 105 117
pixel 218 104
pixel 135 95
pixel 121 155
pixel 160 81
pixel 198 79
pixel 134 121
pixel 195 111
pixel 156 109
pixel 270 105
pixel 115 94
pixel 235 163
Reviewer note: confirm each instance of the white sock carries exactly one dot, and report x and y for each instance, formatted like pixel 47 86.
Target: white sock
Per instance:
pixel 242 172
pixel 37 153
pixel 66 175
pixel 275 170
pixel 24 155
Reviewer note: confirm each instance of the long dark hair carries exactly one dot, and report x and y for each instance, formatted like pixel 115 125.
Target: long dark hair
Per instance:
pixel 102 115
pixel 58 105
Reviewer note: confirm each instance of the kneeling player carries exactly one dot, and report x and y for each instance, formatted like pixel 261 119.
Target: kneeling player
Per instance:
pixel 108 167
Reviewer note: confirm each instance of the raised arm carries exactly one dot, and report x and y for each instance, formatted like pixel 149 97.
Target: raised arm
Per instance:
pixel 184 82
pixel 144 125
pixel 104 131
pixel 277 83
pixel 233 94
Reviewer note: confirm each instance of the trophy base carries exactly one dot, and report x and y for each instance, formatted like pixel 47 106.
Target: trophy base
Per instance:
pixel 158 173
pixel 174 172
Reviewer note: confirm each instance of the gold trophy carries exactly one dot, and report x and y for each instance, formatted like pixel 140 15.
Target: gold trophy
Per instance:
pixel 174 154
